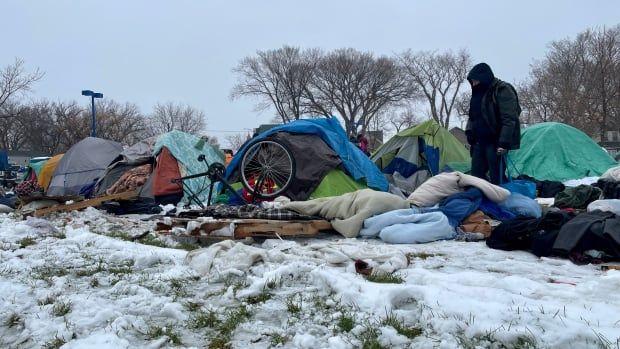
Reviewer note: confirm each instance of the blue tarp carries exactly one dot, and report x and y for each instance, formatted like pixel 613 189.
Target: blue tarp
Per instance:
pixel 356 163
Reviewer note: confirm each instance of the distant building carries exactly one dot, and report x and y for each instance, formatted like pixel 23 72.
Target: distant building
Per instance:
pixel 612 144
pixel 460 135
pixel 375 139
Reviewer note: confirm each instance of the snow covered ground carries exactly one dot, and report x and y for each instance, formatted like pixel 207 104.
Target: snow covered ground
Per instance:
pixel 76 281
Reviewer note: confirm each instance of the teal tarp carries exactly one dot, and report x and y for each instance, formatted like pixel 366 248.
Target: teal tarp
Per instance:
pixel 558 152
pixel 186 148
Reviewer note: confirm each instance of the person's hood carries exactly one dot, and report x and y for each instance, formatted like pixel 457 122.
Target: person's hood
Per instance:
pixel 481 72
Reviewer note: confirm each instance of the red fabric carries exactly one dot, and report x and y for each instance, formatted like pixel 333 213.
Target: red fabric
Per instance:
pixel 166 170
pixel 363 143
pixel 268 186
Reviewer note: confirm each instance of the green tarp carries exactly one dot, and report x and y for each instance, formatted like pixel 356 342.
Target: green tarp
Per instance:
pixel 558 152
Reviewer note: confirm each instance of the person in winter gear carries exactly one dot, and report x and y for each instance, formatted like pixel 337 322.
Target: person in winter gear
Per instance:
pixel 228 155
pixel 493 127
pixel 363 143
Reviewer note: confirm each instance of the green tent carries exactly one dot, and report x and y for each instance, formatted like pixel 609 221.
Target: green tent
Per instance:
pixel 336 183
pixel 427 144
pixel 558 152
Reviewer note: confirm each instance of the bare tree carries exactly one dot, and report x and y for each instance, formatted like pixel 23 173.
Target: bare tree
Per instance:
pixel 404 118
pixel 578 82
pixel 119 122
pixel 235 141
pixel 15 81
pixel 356 86
pixel 440 77
pixel 171 116
pixel 277 78
pixel 72 122
pixel 12 135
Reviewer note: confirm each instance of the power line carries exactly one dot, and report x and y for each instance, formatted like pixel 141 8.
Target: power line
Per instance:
pixel 231 131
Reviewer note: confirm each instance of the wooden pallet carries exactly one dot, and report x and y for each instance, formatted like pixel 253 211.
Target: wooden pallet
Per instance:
pixel 128 195
pixel 242 228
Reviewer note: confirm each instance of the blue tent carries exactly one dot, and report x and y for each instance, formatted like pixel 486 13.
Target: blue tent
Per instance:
pixel 355 162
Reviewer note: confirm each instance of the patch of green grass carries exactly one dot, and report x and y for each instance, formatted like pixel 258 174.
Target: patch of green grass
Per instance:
pixel 178 288
pixel 120 235
pixel 220 342
pixel 204 319
pixel 277 339
pixel 525 342
pixel 156 331
pixel 260 298
pixel 120 269
pixel 192 306
pixel 59 235
pixel 293 306
pixel 55 343
pixel 271 284
pixel 187 246
pixel 345 322
pixel 124 268
pixel 399 325
pixel 94 282
pixel 61 308
pixel 27 241
pixel 152 240
pixel 47 300
pixel 233 318
pixel 46 273
pixel 385 278
pixel 370 338
pixel 12 320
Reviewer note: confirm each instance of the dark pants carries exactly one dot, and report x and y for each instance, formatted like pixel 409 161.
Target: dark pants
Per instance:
pixel 485 163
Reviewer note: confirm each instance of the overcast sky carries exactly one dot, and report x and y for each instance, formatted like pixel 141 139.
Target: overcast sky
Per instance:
pixel 146 52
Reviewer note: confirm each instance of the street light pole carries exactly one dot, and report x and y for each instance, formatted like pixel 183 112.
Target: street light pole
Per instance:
pixel 92 96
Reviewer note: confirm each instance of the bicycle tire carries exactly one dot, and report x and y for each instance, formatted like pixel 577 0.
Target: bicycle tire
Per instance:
pixel 267 169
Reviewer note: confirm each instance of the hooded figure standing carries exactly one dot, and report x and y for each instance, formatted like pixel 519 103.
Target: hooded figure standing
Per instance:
pixel 493 127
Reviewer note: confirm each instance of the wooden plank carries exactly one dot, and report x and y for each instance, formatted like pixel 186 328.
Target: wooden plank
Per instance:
pixel 251 228
pixel 608 266
pixel 86 203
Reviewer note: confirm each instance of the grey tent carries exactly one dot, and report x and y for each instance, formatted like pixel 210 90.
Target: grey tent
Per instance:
pixel 84 162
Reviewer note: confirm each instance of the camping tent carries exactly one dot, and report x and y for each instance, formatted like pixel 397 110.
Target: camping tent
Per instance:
pixel 427 145
pixel 35 165
pixel 173 154
pixel 81 165
pixel 559 152
pixel 45 176
pixel 318 147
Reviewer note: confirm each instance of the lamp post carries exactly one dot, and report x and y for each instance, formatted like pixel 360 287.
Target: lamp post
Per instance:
pixel 92 96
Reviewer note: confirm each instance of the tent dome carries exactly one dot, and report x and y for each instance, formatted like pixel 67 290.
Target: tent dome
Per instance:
pixel 558 152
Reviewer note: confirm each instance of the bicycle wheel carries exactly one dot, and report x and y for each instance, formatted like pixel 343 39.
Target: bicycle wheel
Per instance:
pixel 267 169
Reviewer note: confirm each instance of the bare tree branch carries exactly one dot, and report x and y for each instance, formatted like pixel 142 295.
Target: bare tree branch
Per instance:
pixel 439 77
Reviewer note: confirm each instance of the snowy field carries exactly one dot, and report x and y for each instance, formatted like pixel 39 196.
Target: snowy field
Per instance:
pixel 78 281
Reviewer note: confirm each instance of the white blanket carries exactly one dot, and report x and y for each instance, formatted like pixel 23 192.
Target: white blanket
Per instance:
pixel 445 184
pixel 348 212
pixel 231 257
pixel 613 174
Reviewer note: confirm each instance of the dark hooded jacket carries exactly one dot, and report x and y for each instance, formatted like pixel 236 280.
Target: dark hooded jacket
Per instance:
pixel 494 110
